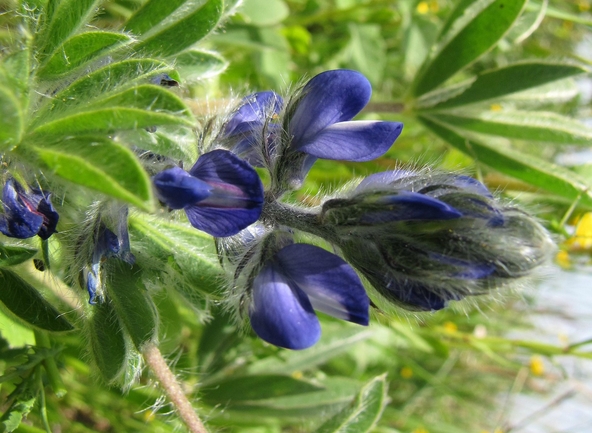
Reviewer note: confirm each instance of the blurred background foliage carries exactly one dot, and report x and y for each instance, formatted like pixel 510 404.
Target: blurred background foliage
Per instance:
pixel 446 372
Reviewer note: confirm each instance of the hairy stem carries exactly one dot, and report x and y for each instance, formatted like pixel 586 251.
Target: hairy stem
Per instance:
pixel 172 388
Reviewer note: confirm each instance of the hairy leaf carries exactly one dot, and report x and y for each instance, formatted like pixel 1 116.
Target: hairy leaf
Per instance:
pixel 100 164
pixel 11 255
pixel 196 64
pixel 79 50
pixel 26 303
pixel 182 30
pixel 132 303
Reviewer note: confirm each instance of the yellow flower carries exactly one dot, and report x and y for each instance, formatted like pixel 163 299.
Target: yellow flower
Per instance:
pixel 450 327
pixel 406 373
pixel 537 367
pixel 423 8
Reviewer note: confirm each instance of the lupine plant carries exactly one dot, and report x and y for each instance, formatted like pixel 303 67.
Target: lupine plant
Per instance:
pixel 135 222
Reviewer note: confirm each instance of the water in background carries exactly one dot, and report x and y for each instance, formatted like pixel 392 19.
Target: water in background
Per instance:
pixel 563 315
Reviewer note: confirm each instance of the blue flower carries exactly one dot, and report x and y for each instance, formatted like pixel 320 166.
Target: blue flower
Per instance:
pixel 423 239
pixel 106 245
pixel 27 214
pixel 221 194
pixel 295 281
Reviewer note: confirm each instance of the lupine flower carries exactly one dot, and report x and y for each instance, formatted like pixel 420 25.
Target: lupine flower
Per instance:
pixel 316 124
pixel 295 281
pixel 221 194
pixel 27 214
pixel 250 131
pixel 425 239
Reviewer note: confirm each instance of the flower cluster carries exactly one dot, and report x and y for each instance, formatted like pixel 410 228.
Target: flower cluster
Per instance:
pixel 420 238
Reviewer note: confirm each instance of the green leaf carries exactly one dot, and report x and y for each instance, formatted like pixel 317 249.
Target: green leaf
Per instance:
pixel 100 83
pixel 181 30
pixel 527 168
pixel 524 125
pixel 81 49
pixel 249 389
pixel 143 106
pixel 336 392
pixel 14 70
pixel 186 255
pixel 367 51
pixel 100 164
pixel 25 396
pixel 64 18
pixel 15 334
pixel 107 341
pixel 195 64
pixel 459 10
pixel 11 255
pixel 480 33
pixel 364 413
pixel 11 119
pixel 178 143
pixel 333 343
pixel 131 302
pixel 510 79
pixel 264 12
pixel 26 303
pixel 152 13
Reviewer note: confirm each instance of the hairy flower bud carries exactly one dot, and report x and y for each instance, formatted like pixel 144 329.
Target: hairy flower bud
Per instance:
pixel 424 240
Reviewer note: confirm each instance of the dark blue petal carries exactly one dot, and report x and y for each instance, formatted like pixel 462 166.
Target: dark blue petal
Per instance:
pixel 281 313
pixel 419 296
pixel 470 184
pixel 253 112
pixel 330 97
pixel 21 219
pixel 465 269
pixel 408 206
pixel 49 214
pixel 236 197
pixel 92 284
pixel 352 141
pixel 221 222
pixel 332 286
pixel 177 188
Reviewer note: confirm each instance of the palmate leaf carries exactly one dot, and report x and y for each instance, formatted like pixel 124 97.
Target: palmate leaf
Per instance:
pixel 468 38
pixel 97 163
pixel 137 107
pixel 182 28
pixel 63 18
pixel 80 50
pixel 524 125
pixel 530 169
pixel 26 303
pixel 100 84
pixel 364 413
pixel 507 80
pixel 23 399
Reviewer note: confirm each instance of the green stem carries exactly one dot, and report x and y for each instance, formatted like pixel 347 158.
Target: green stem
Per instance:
pixel 51 368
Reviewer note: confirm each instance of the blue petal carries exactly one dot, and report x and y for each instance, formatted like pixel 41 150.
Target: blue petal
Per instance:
pixel 253 112
pixel 417 295
pixel 177 188
pixel 236 198
pixel 20 219
pixel 407 206
pixel 352 141
pixel 465 269
pixel 281 313
pixel 382 180
pixel 49 214
pixel 470 184
pixel 330 97
pixel 331 284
